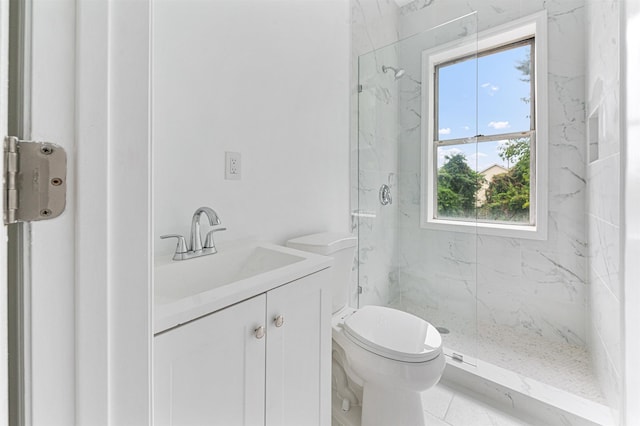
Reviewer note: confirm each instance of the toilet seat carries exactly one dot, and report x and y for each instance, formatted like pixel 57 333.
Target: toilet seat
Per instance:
pixel 393 334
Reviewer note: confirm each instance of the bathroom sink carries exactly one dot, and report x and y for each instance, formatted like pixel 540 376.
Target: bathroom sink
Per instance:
pixel 181 279
pixel 185 290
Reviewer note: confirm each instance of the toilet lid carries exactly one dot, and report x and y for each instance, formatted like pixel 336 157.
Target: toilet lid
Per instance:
pixel 393 334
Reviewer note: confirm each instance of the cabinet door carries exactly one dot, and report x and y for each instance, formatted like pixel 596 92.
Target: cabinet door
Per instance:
pixel 211 371
pixel 299 353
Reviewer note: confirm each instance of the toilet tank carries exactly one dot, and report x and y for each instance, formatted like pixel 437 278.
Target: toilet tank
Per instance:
pixel 342 248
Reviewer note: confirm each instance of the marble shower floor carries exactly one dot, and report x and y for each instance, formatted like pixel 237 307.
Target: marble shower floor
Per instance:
pixel 561 365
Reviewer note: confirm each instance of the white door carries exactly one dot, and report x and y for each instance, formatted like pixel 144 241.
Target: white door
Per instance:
pixel 299 353
pixel 88 272
pixel 211 371
pixel 4 62
pixel 42 348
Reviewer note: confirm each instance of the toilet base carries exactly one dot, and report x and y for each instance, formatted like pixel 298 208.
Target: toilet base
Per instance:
pixel 384 406
pixel 339 417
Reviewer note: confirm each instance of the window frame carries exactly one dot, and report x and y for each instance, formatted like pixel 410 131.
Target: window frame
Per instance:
pixel 486 42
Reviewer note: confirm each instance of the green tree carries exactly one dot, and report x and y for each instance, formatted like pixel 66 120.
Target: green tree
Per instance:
pixel 457 187
pixel 508 194
pixel 524 66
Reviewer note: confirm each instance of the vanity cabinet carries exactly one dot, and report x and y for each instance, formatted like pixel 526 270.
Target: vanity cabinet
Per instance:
pixel 222 369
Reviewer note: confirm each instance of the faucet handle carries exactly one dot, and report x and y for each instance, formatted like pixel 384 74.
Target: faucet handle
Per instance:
pixel 208 241
pixel 181 248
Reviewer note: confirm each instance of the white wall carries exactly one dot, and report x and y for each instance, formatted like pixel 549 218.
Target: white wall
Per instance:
pixel 630 149
pixel 604 196
pixel 268 79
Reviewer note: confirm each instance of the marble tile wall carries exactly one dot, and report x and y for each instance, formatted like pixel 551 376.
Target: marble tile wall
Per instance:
pixel 533 286
pixel 604 199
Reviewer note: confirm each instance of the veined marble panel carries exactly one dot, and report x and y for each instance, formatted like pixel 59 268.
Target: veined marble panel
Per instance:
pixel 609 143
pixel 441 292
pixel 604 189
pixel 604 70
pixel 507 273
pixel 463 411
pixel 605 315
pixel 374 24
pixel 547 267
pixel 408 201
pixel 604 253
pixel 428 253
pixel 609 380
pixel 550 317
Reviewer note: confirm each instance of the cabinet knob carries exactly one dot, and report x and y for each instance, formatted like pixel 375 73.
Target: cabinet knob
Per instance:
pixel 279 320
pixel 259 332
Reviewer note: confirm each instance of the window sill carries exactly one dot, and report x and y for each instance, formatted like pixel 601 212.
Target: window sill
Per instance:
pixel 528 232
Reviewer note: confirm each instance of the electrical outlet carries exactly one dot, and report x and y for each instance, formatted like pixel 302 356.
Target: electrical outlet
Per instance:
pixel 233 169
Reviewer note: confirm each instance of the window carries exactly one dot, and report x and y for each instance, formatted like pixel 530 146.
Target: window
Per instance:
pixel 484 168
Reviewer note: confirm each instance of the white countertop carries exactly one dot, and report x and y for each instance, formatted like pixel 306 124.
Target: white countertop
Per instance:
pixel 189 289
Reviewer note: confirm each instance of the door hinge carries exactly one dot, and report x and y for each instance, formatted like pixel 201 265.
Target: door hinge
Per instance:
pixel 35 185
pixel 359 88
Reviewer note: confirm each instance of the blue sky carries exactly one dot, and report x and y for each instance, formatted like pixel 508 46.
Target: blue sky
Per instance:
pixel 498 93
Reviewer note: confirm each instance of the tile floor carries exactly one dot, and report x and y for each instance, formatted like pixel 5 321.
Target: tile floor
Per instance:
pixel 447 407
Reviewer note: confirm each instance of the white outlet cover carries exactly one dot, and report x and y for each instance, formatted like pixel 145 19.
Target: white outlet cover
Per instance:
pixel 232 165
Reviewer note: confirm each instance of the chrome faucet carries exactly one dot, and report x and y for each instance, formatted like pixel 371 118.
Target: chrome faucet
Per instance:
pixel 196 248
pixel 196 238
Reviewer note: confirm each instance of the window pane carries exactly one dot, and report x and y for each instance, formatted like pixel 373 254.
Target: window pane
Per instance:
pixel 487 181
pixel 497 86
pixel 504 91
pixel 505 169
pixel 456 103
pixel 458 182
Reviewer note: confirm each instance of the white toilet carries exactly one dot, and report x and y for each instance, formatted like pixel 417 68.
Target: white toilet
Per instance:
pixel 383 358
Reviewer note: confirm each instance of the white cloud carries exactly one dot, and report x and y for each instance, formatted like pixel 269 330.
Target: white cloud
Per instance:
pixel 499 125
pixel 491 89
pixel 444 131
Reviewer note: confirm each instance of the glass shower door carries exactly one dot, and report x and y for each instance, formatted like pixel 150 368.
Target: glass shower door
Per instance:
pixel 403 263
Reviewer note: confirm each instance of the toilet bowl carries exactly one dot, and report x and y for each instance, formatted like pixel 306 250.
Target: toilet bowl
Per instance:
pixel 389 355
